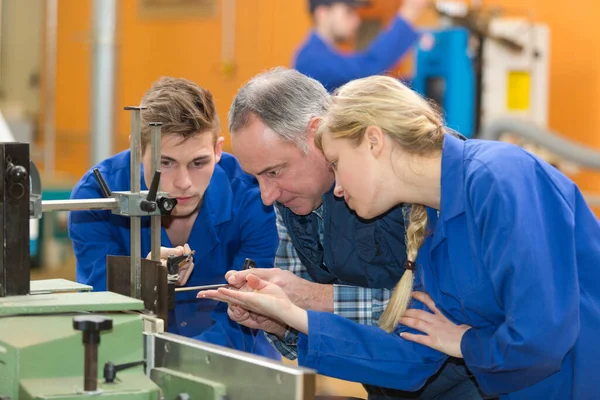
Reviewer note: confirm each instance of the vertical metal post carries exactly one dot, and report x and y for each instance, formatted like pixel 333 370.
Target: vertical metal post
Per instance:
pixel 50 87
pixel 103 79
pixel 155 132
pixel 136 246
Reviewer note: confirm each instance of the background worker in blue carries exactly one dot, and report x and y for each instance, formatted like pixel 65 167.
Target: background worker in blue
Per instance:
pixel 507 250
pixel 219 213
pixel 337 21
pixel 328 259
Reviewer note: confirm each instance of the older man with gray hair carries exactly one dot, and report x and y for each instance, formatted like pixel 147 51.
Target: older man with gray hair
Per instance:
pixel 328 259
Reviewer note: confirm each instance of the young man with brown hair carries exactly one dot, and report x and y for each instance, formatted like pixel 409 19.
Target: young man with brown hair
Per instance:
pixel 219 213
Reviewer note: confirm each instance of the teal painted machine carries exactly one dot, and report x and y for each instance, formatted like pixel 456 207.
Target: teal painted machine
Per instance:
pixel 445 74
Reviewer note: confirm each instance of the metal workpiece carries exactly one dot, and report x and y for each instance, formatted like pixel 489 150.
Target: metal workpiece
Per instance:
pixel 154 292
pixel 244 375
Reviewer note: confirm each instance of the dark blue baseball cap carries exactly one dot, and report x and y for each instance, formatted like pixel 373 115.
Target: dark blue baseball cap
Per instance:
pixel 354 3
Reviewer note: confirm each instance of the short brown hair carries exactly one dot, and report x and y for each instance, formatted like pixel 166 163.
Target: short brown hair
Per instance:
pixel 183 108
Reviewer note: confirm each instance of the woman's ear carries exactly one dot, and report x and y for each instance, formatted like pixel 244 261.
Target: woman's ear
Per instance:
pixel 374 138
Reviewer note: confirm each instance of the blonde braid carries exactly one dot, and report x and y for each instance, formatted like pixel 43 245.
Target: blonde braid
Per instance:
pixel 415 235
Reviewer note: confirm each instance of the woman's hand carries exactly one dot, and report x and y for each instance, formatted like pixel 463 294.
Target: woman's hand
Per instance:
pixel 440 333
pixel 264 298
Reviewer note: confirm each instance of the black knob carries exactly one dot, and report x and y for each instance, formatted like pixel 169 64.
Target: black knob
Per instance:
pixel 16 173
pixel 91 326
pixel 166 205
pixel 147 206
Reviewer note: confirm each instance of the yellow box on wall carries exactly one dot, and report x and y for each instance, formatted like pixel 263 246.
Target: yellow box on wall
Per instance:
pixel 518 90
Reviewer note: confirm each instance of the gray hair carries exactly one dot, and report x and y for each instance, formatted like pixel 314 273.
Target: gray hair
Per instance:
pixel 284 100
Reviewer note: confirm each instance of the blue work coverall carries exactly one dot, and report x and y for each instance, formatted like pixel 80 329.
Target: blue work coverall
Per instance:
pixel 319 60
pixel 515 254
pixel 232 224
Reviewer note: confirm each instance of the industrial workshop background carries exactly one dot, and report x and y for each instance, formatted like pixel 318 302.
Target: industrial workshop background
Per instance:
pixel 70 107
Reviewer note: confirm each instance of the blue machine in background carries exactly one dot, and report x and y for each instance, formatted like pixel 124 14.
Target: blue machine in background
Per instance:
pixel 445 73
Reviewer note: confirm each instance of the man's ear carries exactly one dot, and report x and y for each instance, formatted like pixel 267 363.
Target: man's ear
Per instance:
pixel 313 125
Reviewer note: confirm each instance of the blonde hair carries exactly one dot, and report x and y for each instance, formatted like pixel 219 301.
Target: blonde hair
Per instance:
pixel 414 125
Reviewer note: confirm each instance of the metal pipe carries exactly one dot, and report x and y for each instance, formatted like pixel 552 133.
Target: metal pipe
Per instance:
pixel 136 272
pixel 552 141
pixel 83 204
pixel 155 132
pixel 103 79
pixel 50 88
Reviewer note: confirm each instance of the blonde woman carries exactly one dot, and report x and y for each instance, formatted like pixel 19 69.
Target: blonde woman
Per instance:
pixel 503 244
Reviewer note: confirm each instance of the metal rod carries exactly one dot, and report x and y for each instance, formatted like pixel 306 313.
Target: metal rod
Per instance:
pixel 83 204
pixel 136 250
pixel 50 87
pixel 103 79
pixel 155 232
pixel 199 288
pixel 90 367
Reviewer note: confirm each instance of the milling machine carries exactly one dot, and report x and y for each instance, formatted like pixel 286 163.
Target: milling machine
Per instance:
pixel 60 340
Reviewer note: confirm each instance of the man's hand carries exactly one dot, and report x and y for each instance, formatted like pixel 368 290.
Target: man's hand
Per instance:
pixel 253 320
pixel 185 269
pixel 410 10
pixel 305 294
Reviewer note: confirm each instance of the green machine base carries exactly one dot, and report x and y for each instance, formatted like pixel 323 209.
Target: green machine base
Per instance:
pixel 42 355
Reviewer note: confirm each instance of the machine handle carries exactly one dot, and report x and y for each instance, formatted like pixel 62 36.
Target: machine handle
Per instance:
pixel 149 204
pixel 110 369
pixel 154 187
pixel 103 186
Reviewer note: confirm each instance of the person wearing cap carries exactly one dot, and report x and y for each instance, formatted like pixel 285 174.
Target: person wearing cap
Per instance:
pixel 337 21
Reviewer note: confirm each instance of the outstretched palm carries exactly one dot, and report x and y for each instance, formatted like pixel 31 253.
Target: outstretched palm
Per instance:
pixel 258 295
